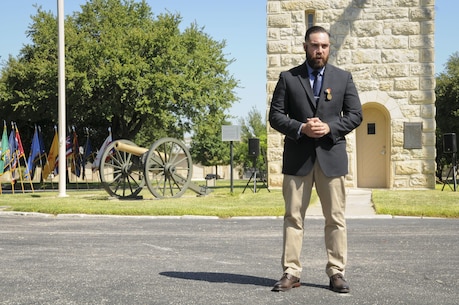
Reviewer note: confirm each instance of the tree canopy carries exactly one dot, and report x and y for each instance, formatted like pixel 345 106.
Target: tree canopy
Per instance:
pixel 125 68
pixel 447 104
pixel 207 147
pixel 253 126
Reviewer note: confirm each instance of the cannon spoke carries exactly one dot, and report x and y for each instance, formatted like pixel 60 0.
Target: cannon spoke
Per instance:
pixel 168 168
pixel 121 173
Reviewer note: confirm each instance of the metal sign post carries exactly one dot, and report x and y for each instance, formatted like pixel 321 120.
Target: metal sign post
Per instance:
pixel 231 133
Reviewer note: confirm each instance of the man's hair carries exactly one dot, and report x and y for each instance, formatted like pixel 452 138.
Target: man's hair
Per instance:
pixel 315 29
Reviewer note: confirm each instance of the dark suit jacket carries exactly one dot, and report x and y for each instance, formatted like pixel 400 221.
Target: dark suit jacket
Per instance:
pixel 293 102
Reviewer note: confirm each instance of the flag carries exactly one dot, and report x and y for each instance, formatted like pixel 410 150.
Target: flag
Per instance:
pixel 87 152
pixel 12 160
pixel 20 149
pixel 68 146
pixel 52 156
pixel 68 154
pixel 42 158
pixel 34 155
pixel 42 143
pixel 76 157
pixel 108 140
pixel 4 150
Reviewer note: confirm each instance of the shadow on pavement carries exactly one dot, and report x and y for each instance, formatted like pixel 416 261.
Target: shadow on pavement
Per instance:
pixel 219 277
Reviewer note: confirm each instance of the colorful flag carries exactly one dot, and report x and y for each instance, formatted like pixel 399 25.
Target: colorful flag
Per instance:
pixel 42 159
pixel 12 159
pixel 42 143
pixel 87 152
pixel 76 157
pixel 68 146
pixel 68 154
pixel 4 150
pixel 20 149
pixel 52 156
pixel 34 155
pixel 108 140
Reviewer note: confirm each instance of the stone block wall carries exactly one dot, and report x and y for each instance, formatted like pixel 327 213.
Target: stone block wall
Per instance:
pixel 388 46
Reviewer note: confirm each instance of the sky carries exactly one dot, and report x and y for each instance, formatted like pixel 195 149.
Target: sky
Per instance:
pixel 241 23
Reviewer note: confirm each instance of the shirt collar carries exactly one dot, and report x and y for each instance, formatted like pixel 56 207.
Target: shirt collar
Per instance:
pixel 321 71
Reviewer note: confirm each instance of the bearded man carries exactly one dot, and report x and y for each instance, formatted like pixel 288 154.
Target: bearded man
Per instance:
pixel 315 105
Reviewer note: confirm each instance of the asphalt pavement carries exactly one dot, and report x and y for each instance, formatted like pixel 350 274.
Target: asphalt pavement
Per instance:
pixel 83 259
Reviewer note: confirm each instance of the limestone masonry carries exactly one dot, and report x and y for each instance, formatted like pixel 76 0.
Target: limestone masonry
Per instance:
pixel 388 46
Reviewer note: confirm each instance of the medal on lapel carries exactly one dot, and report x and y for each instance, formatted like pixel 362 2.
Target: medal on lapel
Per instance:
pixel 328 95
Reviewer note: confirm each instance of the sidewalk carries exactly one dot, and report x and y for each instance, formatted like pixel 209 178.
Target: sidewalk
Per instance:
pixel 358 204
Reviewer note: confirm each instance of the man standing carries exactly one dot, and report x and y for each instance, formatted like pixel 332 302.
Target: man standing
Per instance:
pixel 315 105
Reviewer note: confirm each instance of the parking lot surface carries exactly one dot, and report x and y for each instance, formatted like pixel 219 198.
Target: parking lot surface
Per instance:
pixel 193 260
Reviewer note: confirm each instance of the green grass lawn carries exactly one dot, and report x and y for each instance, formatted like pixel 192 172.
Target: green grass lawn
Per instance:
pixel 427 203
pixel 220 202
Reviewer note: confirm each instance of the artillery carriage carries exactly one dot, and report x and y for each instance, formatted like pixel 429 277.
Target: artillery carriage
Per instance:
pixel 166 169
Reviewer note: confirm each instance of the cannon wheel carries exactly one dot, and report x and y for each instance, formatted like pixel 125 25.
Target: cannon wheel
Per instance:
pixel 168 168
pixel 121 173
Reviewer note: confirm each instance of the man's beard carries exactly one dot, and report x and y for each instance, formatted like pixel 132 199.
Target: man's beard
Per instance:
pixel 316 63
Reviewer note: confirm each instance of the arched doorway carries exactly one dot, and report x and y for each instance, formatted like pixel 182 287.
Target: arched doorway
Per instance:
pixel 373 147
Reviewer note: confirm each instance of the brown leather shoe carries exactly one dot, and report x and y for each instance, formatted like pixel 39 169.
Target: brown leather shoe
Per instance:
pixel 287 282
pixel 338 283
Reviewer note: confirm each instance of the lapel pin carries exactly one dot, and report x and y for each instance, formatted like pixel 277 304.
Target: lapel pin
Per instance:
pixel 328 94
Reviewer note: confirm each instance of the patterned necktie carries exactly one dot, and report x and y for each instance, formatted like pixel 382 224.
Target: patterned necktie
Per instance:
pixel 317 83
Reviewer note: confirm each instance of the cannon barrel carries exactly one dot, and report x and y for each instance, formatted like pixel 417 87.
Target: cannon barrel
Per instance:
pixel 132 149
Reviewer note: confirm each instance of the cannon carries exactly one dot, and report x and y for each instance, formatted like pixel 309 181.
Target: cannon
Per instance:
pixel 165 168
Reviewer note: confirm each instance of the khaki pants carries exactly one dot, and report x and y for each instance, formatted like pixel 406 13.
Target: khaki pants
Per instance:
pixel 332 194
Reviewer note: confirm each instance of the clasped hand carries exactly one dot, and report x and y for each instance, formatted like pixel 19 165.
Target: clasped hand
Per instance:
pixel 315 128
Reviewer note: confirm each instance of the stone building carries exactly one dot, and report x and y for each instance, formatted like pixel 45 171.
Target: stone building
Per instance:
pixel 388 46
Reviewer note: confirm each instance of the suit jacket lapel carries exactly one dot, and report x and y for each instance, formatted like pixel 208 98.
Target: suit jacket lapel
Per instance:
pixel 304 80
pixel 326 83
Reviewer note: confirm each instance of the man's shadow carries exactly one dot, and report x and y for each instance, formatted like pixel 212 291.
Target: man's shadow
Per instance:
pixel 219 277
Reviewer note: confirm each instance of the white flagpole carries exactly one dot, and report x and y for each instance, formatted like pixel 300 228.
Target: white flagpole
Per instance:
pixel 61 102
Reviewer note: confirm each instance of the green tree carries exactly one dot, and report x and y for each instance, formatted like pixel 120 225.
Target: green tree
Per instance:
pixel 447 106
pixel 253 126
pixel 207 147
pixel 125 69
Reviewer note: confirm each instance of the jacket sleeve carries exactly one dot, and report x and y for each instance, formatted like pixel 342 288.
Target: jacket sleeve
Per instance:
pixel 279 118
pixel 351 113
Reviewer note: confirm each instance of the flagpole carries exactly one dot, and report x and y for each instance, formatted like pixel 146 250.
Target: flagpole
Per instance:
pixel 61 106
